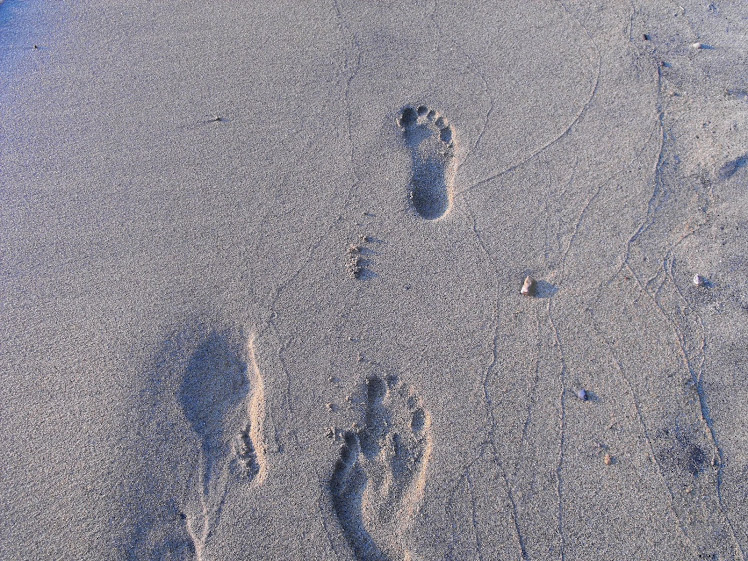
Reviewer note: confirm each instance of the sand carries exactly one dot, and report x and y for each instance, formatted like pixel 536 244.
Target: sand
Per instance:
pixel 261 268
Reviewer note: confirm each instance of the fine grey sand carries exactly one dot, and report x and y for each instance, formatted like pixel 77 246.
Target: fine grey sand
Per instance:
pixel 261 267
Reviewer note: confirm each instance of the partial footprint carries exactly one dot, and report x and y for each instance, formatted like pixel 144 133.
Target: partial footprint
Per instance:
pixel 222 397
pixel 378 482
pixel 431 142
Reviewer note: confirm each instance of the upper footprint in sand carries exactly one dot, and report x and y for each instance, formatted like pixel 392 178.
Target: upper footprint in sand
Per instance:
pixel 431 142
pixel 378 481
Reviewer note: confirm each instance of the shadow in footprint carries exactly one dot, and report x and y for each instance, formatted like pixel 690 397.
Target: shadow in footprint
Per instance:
pixel 347 486
pixel 430 140
pixel 377 482
pixel 732 167
pixel 215 383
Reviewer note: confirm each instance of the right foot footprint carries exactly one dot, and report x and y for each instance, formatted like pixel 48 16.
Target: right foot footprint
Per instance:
pixel 431 142
pixel 378 481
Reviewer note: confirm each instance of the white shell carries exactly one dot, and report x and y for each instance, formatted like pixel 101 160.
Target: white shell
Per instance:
pixel 698 280
pixel 696 46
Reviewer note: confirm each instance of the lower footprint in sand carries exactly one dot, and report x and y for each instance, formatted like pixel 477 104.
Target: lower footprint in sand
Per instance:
pixel 431 142
pixel 222 398
pixel 378 482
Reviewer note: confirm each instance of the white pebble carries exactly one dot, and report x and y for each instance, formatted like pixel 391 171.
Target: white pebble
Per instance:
pixel 698 280
pixel 696 46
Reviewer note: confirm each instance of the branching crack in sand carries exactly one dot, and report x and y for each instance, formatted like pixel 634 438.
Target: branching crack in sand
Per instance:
pixel 462 506
pixel 645 433
pixel 717 459
pixel 533 396
pixel 270 325
pixel 474 515
pixel 692 358
pixel 563 134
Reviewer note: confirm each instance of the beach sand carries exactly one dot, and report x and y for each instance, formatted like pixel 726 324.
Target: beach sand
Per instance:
pixel 261 268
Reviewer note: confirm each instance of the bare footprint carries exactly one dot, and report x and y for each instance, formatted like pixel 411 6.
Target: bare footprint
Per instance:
pixel 431 142
pixel 222 397
pixel 378 482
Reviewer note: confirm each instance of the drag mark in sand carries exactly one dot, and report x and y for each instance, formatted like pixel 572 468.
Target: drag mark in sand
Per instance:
pixel 378 482
pixel 431 142
pixel 222 397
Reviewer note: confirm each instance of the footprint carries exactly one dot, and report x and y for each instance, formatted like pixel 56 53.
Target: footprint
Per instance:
pixel 431 142
pixel 378 482
pixel 222 398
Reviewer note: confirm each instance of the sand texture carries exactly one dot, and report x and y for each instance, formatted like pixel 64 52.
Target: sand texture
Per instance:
pixel 260 272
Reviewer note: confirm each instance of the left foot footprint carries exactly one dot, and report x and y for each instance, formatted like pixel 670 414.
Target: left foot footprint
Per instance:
pixel 222 398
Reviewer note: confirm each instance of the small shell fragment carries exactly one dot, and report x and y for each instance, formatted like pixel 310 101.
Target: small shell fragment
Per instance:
pixel 697 46
pixel 698 280
pixel 608 459
pixel 528 287
pixel 583 395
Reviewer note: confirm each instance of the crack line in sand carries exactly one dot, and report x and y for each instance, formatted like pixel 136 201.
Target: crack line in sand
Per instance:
pixel 562 429
pixel 490 417
pixel 280 288
pixel 533 394
pixel 449 506
pixel 565 133
pixel 347 96
pixel 487 90
pixel 704 408
pixel 654 205
pixel 473 516
pixel 645 432
pixel 512 501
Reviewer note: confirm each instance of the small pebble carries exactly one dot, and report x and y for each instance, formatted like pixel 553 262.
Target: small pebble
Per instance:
pixel 608 459
pixel 696 46
pixel 645 37
pixel 583 395
pixel 528 287
pixel 698 280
